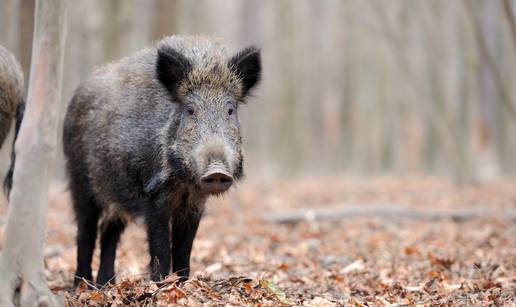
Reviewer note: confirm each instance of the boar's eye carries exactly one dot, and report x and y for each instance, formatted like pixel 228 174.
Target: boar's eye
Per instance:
pixel 230 111
pixel 190 111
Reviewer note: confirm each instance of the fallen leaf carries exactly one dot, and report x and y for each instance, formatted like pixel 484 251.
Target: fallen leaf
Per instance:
pixel 411 250
pixel 283 266
pixel 96 296
pixel 280 295
pixel 357 265
pixel 442 261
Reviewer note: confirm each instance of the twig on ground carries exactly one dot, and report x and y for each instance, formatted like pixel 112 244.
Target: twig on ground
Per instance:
pixel 390 211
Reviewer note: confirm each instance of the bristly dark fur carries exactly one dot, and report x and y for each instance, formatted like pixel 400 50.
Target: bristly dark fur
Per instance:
pixel 248 65
pixel 140 136
pixel 11 104
pixel 8 180
pixel 172 68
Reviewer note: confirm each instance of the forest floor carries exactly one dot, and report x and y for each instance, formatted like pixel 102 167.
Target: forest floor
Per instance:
pixel 244 255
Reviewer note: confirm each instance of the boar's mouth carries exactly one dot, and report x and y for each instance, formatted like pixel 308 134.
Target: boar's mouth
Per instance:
pixel 216 179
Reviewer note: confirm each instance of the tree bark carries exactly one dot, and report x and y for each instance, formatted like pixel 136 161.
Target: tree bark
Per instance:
pixel 22 280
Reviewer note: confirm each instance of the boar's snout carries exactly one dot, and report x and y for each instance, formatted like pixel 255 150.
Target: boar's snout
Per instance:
pixel 216 180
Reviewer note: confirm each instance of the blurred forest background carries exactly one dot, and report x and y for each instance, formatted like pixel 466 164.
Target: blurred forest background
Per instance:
pixel 350 86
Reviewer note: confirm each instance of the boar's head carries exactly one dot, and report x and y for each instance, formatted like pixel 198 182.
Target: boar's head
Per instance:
pixel 203 138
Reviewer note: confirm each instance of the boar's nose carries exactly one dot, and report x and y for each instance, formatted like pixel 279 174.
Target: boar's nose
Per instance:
pixel 216 181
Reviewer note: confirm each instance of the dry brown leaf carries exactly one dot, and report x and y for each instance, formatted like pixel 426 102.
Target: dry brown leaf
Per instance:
pixel 96 296
pixel 440 261
pixel 411 250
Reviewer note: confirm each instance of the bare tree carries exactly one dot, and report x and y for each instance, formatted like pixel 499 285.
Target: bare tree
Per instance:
pixel 352 86
pixel 22 281
pixel 487 56
pixel 507 8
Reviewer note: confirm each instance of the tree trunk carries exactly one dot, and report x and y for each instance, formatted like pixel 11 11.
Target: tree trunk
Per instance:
pixel 22 280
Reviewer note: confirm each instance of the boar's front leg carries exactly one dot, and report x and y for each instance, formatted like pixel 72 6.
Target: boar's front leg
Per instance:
pixel 185 222
pixel 87 213
pixel 158 235
pixel 110 236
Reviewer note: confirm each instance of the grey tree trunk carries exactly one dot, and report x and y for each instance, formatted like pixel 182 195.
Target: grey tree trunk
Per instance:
pixel 22 280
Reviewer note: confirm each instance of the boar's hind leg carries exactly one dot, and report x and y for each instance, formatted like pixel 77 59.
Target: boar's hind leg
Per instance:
pixel 158 235
pixel 87 214
pixel 184 228
pixel 109 238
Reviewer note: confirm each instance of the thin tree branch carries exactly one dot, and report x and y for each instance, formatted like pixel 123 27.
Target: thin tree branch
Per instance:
pixel 510 19
pixel 390 211
pixel 398 49
pixel 491 64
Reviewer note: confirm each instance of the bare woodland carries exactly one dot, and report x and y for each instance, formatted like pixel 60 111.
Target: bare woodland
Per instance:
pixel 354 86
pixel 380 153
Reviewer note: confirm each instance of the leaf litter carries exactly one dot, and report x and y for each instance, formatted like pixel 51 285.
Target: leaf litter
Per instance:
pixel 241 259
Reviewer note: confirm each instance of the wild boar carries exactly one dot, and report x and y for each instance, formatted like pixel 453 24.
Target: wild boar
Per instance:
pixel 154 135
pixel 12 103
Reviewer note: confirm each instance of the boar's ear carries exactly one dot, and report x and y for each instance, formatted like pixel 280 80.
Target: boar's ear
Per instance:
pixel 171 68
pixel 248 65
